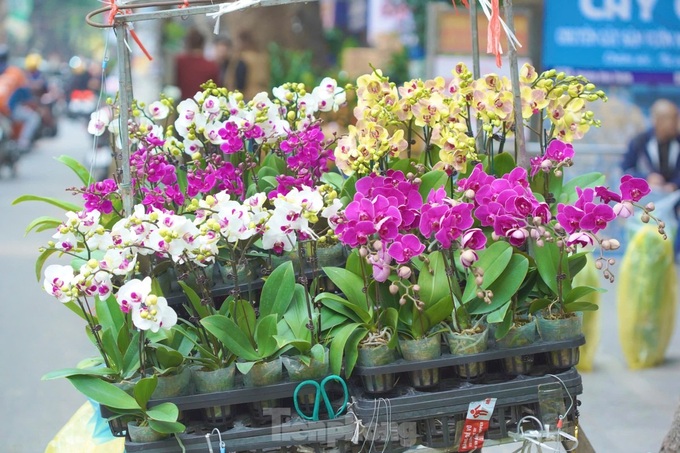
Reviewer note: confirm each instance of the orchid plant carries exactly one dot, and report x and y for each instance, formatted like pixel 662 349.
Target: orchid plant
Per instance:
pixel 447 229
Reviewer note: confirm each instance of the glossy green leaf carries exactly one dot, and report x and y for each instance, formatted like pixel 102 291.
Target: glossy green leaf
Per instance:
pixel 353 311
pixel 351 285
pixel 354 263
pixel 264 336
pixel 547 262
pixel 199 309
pixel 40 262
pixel 338 342
pixel 539 304
pixel 78 168
pixel 334 179
pixel 580 306
pixel 349 187
pixel 110 346
pixel 499 315
pixel 164 412
pixel 109 314
pixel 352 349
pixel 579 293
pixel 433 179
pixel 226 331
pixel 277 291
pixel 245 317
pixel 43 223
pixel 403 165
pixel 297 316
pixel 104 393
pixel 166 427
pixel 143 390
pixel 493 260
pixel 65 205
pixel 67 372
pixel 275 162
pixel 503 163
pixel 592 179
pixel 432 280
pixel 505 286
pixel 577 262
pixel 504 327
pixel 167 357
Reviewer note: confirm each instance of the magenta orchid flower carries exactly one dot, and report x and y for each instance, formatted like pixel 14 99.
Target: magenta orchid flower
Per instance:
pixel 406 247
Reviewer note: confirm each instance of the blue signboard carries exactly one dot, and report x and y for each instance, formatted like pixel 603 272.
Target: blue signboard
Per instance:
pixel 638 37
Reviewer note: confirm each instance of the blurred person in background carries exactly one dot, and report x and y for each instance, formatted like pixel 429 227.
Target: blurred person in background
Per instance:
pixel 40 89
pixel 655 154
pixel 233 70
pixel 257 62
pixel 15 96
pixel 192 68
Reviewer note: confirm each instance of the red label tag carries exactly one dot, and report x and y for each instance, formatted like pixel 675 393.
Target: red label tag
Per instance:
pixel 476 424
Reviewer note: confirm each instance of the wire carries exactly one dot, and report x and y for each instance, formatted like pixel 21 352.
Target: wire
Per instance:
pixel 155 4
pixel 571 400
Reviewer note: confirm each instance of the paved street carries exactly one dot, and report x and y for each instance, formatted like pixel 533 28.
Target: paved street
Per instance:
pixel 38 334
pixel 622 411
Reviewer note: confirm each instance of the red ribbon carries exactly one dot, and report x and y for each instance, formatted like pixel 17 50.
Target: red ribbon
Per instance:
pixel 493 35
pixel 114 11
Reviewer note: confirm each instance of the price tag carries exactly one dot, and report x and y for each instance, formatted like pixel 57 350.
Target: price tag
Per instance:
pixel 476 424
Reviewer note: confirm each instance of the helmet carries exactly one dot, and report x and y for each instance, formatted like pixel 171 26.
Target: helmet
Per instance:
pixel 32 61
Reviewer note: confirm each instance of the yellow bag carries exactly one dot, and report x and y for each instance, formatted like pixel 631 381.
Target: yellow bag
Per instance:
pixel 86 431
pixel 589 276
pixel 647 287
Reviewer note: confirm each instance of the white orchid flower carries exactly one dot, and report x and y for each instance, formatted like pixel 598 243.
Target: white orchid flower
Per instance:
pixel 99 121
pixel 158 111
pixel 153 314
pixel 58 282
pixel 118 261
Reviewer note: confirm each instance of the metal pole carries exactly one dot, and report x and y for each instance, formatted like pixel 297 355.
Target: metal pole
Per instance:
pixel 479 138
pixel 475 39
pixel 125 101
pixel 520 144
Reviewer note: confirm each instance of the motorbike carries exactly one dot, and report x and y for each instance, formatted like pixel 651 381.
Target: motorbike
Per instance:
pixel 9 151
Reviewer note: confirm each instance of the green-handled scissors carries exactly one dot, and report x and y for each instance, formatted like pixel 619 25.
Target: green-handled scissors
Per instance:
pixel 321 394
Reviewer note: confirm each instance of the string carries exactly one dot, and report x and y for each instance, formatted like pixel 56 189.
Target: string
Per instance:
pixel 102 84
pixel 222 444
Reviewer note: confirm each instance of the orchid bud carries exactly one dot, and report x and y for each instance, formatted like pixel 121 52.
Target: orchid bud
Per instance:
pixel 606 245
pixel 558 173
pixel 416 288
pixel 540 243
pixel 470 193
pixel 394 289
pixel 662 224
pixel 479 280
pixel 598 265
pixel 644 217
pixel 611 261
pixel 363 252
pixel 404 272
pixel 614 244
pixel 468 258
pixel 402 301
pixel 480 294
pixel 650 206
pixel 378 245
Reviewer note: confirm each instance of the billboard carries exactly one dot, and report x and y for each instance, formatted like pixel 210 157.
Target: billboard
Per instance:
pixel 631 40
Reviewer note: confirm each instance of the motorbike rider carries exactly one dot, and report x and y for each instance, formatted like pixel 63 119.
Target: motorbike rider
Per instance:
pixel 14 97
pixel 40 89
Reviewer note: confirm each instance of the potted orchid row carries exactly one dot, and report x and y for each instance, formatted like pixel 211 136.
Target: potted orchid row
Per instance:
pixel 447 236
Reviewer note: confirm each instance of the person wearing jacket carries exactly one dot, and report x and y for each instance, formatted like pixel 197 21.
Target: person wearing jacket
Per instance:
pixel 655 154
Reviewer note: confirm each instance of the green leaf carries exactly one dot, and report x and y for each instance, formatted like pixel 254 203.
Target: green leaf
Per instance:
pixel 277 291
pixel 547 261
pixel 40 262
pixel 168 358
pixel 263 173
pixel 389 318
pixel 504 327
pixel 67 372
pixel 438 312
pixel 337 348
pixel 499 315
pixel 65 205
pixel 195 301
pixel 104 393
pixel 245 367
pixel 109 314
pixel 352 286
pixel 503 164
pixel 352 349
pixel 43 223
pixel 433 179
pixel 349 187
pixel 504 287
pixel 245 317
pixel 296 316
pixel 353 311
pixel 143 390
pixel 265 331
pixel 164 412
pixel 354 263
pixel 110 346
pixel 78 168
pixel 493 260
pixel 275 162
pixel 266 184
pixel 580 306
pixel 226 331
pixel 334 179
pixel 577 262
pixel 403 165
pixel 539 304
pixel 433 282
pixel 592 179
pixel 166 427
pixel 579 293
pixel 131 357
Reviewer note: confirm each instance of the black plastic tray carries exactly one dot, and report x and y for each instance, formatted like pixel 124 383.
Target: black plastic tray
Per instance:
pixel 448 360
